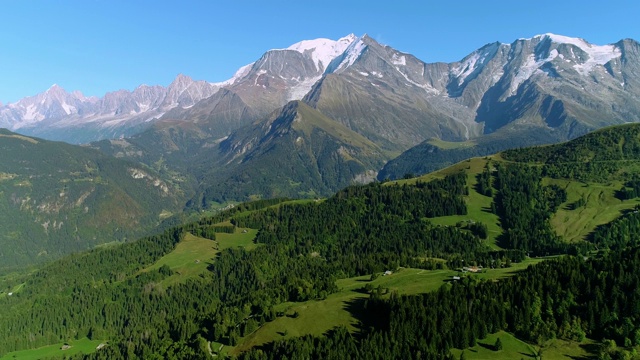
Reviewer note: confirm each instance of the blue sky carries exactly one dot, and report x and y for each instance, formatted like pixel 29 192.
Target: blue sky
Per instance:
pixel 97 46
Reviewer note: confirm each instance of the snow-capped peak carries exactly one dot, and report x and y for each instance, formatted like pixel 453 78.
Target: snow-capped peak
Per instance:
pixel 349 56
pixel 323 51
pixel 242 72
pixel 598 54
pixel 55 88
pixel 474 62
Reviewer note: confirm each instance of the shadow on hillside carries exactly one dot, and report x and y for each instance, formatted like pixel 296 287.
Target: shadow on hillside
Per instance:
pixel 487 346
pixel 356 307
pixel 527 355
pixel 592 349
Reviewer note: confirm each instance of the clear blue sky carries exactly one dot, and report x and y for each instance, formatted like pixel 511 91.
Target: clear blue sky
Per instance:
pixel 97 46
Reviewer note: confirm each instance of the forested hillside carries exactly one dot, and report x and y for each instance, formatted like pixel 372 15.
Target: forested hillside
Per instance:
pixel 214 286
pixel 57 198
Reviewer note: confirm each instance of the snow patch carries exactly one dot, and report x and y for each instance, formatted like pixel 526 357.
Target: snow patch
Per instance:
pixel 301 89
pixel 352 54
pixel 399 60
pixel 239 75
pixel 425 87
pixel 528 68
pixel 143 107
pixel 68 108
pixel 31 114
pixel 473 63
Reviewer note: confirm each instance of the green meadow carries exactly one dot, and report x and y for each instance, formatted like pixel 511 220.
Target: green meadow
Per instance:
pixel 193 254
pixel 84 346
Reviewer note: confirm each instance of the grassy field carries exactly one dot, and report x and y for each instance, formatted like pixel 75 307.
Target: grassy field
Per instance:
pixel 601 207
pixel 85 346
pixel 193 254
pixel 317 316
pixel 239 239
pixel 566 350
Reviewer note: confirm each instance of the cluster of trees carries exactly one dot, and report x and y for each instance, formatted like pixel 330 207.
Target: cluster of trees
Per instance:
pixel 568 298
pixel 620 233
pixel 631 190
pixel 599 156
pixel 484 185
pixel 57 198
pixel 525 206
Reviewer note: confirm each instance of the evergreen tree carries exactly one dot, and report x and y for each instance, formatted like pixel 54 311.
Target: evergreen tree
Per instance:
pixel 498 344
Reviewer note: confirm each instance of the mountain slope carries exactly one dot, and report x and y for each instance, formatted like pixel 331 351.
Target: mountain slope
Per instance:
pixel 296 152
pixel 57 198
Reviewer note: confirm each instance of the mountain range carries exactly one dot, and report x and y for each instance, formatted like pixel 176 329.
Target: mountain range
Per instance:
pixel 392 98
pixel 321 114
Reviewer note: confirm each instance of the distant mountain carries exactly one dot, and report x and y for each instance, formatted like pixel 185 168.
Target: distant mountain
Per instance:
pixel 72 117
pixel 57 198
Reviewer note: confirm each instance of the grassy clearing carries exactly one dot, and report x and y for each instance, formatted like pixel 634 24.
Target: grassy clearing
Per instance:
pixel 601 207
pixel 512 348
pixel 13 290
pixel 238 239
pixel 190 258
pixel 84 346
pixel 338 309
pixel 192 255
pixel 565 350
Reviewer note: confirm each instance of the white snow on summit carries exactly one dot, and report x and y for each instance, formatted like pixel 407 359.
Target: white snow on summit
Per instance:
pixel 598 54
pixel 352 53
pixel 323 51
